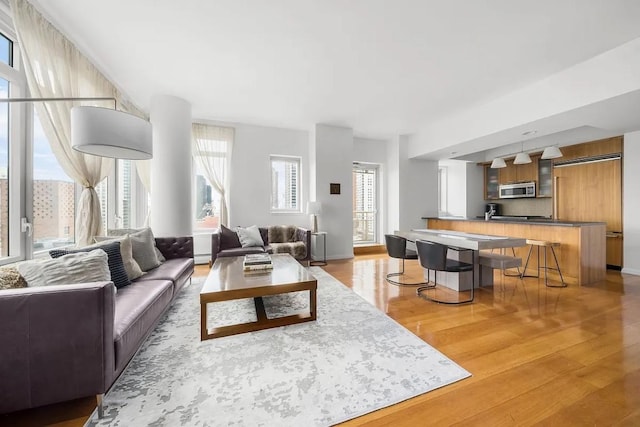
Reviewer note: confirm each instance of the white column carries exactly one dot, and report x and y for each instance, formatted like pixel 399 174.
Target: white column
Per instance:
pixel 171 175
pixel 333 162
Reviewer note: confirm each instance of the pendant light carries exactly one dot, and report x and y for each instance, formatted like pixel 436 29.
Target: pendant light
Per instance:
pixel 110 133
pixel 498 163
pixel 522 157
pixel 552 152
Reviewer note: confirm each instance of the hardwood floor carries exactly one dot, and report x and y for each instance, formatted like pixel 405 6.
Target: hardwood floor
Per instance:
pixel 567 356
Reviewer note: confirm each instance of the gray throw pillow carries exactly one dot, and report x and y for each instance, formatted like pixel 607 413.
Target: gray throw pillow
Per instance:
pixel 80 267
pixel 250 236
pixel 140 250
pixel 144 249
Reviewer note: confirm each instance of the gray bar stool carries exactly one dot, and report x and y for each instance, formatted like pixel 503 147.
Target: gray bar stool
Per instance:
pixel 545 245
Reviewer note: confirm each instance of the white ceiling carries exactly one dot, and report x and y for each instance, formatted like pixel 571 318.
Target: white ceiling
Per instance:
pixel 381 67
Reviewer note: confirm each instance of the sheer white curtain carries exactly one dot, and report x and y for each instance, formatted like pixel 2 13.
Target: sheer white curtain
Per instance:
pixel 212 147
pixel 55 68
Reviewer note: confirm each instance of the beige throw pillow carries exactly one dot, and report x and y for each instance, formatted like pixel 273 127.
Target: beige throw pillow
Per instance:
pixel 78 267
pixel 126 250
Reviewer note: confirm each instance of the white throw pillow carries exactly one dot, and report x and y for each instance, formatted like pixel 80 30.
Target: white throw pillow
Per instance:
pixel 250 236
pixel 126 251
pixel 78 267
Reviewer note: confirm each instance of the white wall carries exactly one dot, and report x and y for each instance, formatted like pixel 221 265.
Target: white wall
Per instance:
pixel 475 190
pixel 375 151
pixel 631 203
pixel 333 151
pixel 392 186
pixel 418 188
pixel 250 180
pixel 456 187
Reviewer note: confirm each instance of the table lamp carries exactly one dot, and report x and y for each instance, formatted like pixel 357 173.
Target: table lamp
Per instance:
pixel 313 209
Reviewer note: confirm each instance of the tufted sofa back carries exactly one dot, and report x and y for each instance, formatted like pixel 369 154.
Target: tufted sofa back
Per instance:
pixel 175 247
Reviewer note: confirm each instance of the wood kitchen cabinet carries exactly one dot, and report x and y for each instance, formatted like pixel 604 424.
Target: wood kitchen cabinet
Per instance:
pixel 614 249
pixel 519 173
pixel 508 174
pixel 592 190
pixel 491 182
pixel 493 178
pixel 545 178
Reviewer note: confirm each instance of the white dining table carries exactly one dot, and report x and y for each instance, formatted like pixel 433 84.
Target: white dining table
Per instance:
pixel 458 239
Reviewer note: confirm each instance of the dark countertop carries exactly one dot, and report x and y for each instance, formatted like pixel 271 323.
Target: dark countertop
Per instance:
pixel 536 221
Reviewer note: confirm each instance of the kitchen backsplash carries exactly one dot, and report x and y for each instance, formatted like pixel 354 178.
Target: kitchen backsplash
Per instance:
pixel 532 207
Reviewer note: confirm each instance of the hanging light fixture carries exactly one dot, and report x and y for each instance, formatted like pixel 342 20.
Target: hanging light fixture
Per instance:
pixel 498 163
pixel 110 133
pixel 552 152
pixel 103 131
pixel 522 157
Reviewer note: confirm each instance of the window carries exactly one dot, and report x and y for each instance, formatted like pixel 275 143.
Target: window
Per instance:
pixel 443 189
pixel 365 211
pixel 285 184
pixel 211 154
pixel 6 51
pixel 208 203
pixel 4 170
pixel 125 181
pixel 10 157
pixel 54 196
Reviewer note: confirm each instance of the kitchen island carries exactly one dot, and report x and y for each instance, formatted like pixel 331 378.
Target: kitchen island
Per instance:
pixel 582 251
pixel 473 243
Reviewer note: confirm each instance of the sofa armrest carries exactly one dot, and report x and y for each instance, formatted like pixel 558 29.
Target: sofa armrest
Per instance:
pixel 57 344
pixel 215 247
pixel 175 247
pixel 304 235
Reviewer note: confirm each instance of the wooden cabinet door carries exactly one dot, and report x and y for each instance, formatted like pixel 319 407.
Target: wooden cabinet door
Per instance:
pixel 491 182
pixel 526 172
pixel 590 192
pixel 614 249
pixel 508 174
pixel 545 178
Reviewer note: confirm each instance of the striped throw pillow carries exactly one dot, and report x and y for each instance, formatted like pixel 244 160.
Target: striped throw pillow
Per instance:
pixel 114 259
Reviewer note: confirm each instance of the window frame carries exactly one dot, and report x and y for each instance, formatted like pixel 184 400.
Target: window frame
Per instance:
pixel 17 152
pixel 375 168
pixel 298 161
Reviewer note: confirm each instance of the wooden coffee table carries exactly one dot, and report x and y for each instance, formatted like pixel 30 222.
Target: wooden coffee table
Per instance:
pixel 227 281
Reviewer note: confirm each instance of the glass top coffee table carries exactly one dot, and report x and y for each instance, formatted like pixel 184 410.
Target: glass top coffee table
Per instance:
pixel 227 281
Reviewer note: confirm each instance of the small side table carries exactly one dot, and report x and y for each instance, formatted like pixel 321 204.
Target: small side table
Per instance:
pixel 322 261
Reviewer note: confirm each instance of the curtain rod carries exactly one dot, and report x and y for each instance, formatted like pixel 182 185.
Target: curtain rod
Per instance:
pixel 3 100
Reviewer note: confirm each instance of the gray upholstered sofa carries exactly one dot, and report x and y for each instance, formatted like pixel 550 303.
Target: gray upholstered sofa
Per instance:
pixel 70 341
pixel 293 240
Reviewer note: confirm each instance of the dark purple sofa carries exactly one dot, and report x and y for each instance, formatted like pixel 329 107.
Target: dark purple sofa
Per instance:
pixel 70 341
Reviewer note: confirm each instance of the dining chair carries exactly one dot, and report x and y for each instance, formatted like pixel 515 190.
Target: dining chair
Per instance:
pixel 397 248
pixel 433 256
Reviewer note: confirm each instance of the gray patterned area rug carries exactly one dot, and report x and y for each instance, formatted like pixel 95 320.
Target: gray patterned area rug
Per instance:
pixel 351 361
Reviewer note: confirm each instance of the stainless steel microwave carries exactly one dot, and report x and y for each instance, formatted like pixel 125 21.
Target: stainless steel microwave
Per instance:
pixel 517 190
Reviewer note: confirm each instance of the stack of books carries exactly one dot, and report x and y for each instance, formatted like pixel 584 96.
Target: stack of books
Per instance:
pixel 257 263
